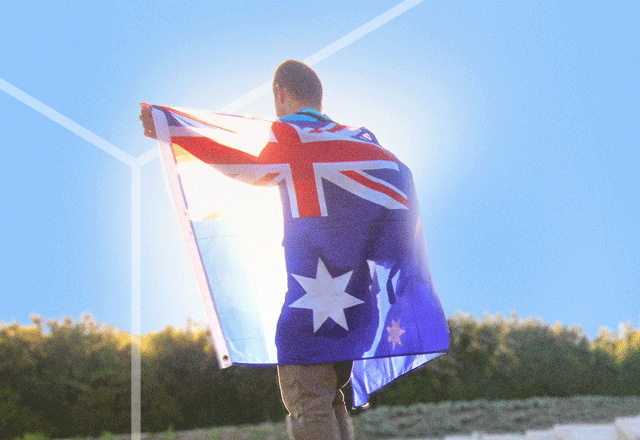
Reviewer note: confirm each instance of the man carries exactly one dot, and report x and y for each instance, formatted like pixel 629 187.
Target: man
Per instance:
pixel 347 220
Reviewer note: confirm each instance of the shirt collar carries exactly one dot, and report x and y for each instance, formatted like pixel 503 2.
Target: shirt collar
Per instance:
pixel 306 114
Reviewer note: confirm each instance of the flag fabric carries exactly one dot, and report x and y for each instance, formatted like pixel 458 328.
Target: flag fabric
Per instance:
pixel 339 273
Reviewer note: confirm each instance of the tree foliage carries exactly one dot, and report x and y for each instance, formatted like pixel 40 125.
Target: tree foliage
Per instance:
pixel 499 358
pixel 67 378
pixel 183 362
pixel 50 375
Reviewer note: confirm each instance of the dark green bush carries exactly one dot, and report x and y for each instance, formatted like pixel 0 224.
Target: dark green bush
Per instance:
pixel 74 378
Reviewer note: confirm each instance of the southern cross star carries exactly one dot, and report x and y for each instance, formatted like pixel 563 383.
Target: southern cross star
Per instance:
pixel 326 297
pixel 394 333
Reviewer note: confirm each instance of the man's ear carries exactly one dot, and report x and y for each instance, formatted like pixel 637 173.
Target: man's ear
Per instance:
pixel 281 94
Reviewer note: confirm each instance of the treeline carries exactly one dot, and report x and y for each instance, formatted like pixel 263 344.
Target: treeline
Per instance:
pixel 67 378
pixel 499 358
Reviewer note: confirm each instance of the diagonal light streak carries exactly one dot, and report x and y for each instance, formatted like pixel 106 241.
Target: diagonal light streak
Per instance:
pixel 137 163
pixel 363 30
pixel 147 157
pixel 67 123
pixel 326 52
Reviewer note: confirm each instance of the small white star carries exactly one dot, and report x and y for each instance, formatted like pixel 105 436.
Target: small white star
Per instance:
pixel 394 333
pixel 326 297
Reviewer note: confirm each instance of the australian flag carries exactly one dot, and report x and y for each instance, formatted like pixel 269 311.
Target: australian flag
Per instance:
pixel 357 283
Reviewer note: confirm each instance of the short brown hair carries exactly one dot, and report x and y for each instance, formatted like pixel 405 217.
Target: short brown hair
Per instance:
pixel 300 80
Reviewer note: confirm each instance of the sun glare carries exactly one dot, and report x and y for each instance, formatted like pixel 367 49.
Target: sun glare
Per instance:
pixel 254 216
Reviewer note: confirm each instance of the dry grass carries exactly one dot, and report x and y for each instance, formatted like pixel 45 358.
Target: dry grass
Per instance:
pixel 435 420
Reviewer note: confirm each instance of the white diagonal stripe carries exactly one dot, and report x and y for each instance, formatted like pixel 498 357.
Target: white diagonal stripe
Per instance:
pixel 334 47
pixel 67 123
pixel 363 30
pixel 332 172
pixel 148 156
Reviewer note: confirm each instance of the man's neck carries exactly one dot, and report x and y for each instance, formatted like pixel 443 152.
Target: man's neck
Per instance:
pixel 300 107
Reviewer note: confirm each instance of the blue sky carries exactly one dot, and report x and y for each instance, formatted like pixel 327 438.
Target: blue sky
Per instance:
pixel 520 121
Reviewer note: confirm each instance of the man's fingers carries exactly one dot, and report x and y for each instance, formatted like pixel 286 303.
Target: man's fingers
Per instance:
pixel 145 114
pixel 150 132
pixel 147 122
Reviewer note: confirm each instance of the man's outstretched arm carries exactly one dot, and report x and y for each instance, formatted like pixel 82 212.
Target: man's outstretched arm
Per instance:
pixel 232 162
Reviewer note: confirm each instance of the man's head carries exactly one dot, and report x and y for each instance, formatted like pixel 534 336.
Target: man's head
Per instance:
pixel 296 86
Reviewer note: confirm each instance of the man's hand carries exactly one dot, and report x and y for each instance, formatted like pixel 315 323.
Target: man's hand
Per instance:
pixel 147 121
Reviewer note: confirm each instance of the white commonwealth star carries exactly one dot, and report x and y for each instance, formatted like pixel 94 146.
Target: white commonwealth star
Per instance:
pixel 326 297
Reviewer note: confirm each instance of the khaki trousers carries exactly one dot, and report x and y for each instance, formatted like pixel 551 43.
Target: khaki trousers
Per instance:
pixel 312 395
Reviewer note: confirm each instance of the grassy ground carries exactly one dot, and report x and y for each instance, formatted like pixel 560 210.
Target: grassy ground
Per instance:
pixel 437 420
